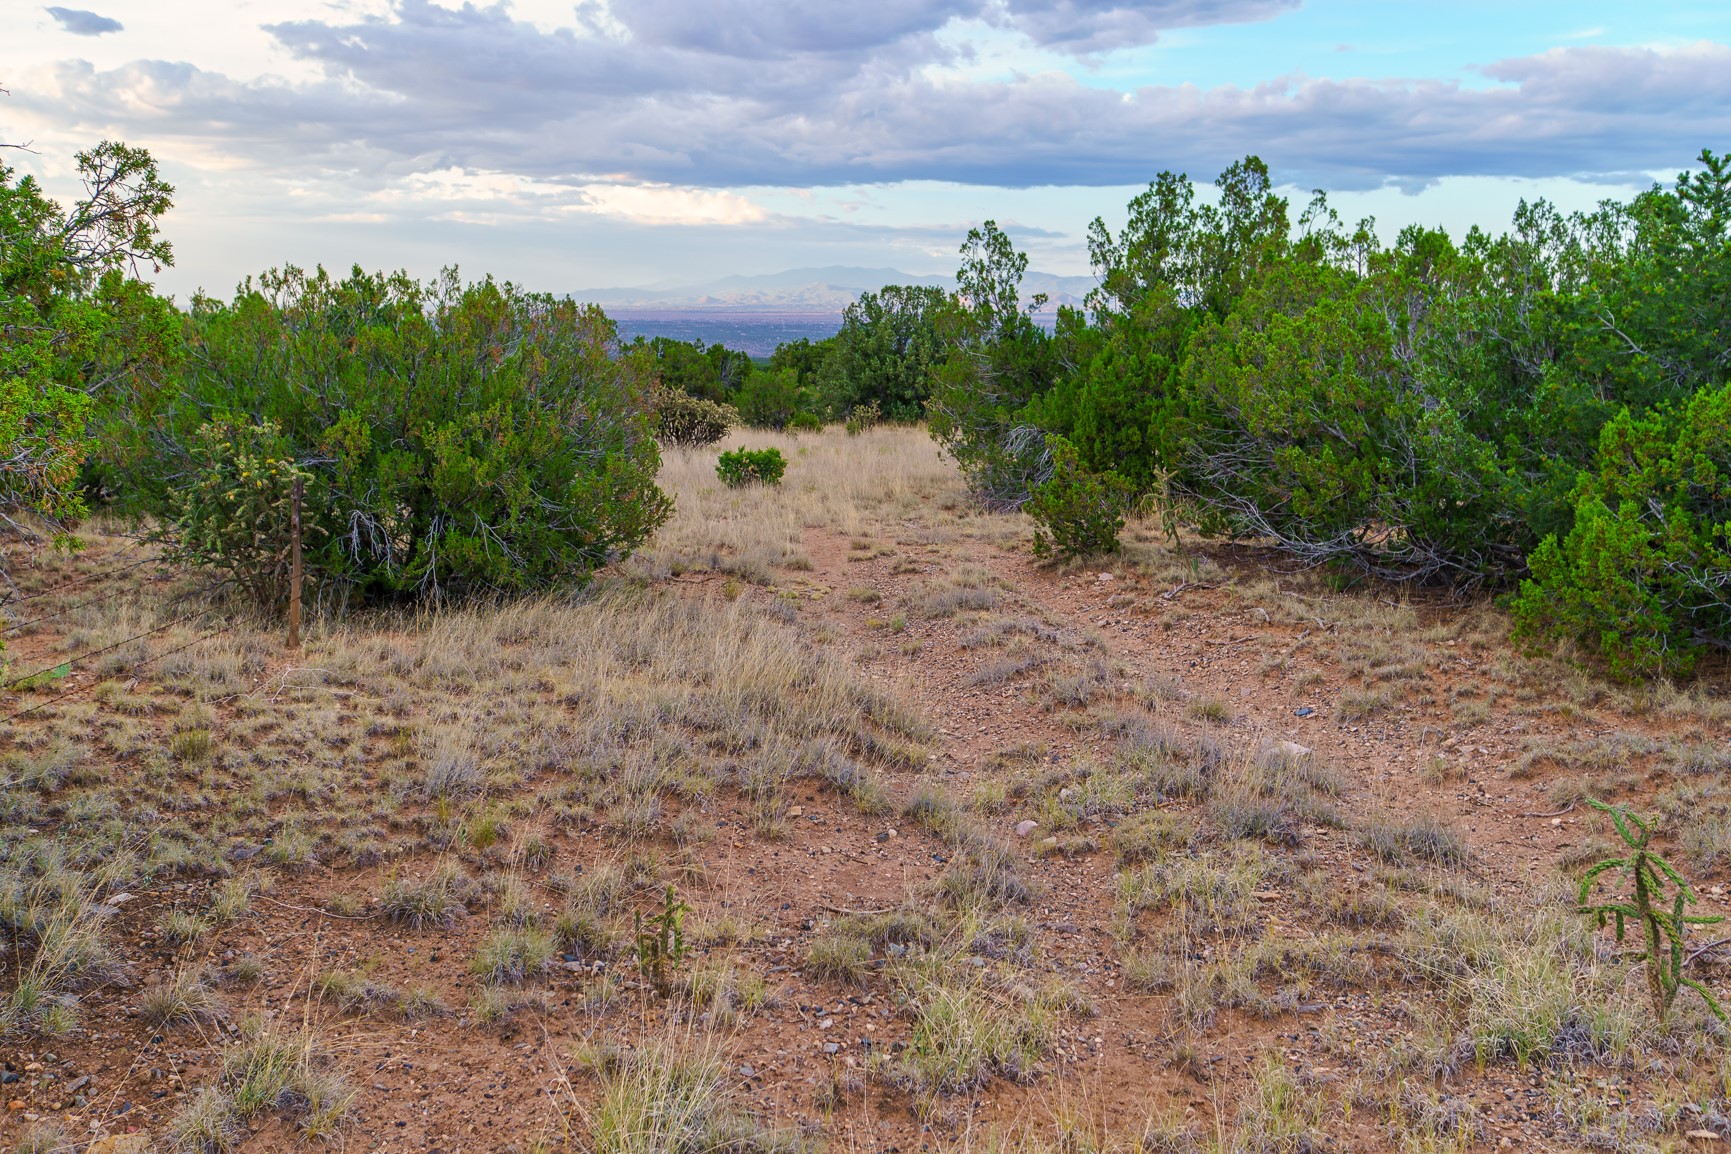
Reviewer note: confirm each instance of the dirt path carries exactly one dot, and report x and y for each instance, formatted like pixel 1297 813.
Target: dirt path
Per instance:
pixel 1214 662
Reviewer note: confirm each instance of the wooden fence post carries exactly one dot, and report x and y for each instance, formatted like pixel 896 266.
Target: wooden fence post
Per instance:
pixel 294 632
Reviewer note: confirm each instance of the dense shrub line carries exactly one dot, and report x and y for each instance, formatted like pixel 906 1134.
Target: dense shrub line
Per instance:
pixel 1545 410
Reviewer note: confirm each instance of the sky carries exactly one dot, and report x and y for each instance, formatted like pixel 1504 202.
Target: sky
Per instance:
pixel 568 145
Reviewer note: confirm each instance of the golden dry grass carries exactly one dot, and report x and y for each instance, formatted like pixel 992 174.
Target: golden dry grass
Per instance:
pixel 890 479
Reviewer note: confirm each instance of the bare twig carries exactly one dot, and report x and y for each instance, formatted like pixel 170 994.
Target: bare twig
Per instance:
pixel 1710 946
pixel 857 913
pixel 319 912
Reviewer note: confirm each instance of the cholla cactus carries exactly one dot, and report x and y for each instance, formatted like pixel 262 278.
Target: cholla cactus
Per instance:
pixel 1652 882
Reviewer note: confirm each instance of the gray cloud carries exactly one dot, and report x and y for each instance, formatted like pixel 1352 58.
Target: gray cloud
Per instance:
pixel 81 23
pixel 1088 26
pixel 761 31
pixel 783 94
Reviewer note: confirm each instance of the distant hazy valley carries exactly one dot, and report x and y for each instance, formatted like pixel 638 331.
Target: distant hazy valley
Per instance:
pixel 807 291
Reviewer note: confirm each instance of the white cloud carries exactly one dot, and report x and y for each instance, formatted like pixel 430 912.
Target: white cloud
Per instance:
pixel 664 204
pixel 497 195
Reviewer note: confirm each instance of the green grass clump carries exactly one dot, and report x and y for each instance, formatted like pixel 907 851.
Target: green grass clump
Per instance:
pixel 182 999
pixel 964 1034
pixel 355 993
pixel 1151 836
pixel 433 902
pixel 839 956
pixel 668 1099
pixel 178 928
pixel 512 954
pixel 268 1071
pixel 1215 892
pixel 1423 839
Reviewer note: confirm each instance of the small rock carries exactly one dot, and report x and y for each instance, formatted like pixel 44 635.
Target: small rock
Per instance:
pixel 796 811
pixel 1104 577
pixel 77 1084
pixel 832 1047
pixel 1026 826
pixel 1049 844
pixel 747 1072
pixel 120 899
pixel 883 835
pixel 138 1143
pixel 826 1023
pixel 1304 711
pixel 1293 749
pixel 1066 794
pixel 1706 1135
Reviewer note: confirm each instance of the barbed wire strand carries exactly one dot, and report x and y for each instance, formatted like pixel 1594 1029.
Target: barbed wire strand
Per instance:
pixel 92 685
pixel 15 627
pixel 85 580
pixel 17 681
pixel 175 600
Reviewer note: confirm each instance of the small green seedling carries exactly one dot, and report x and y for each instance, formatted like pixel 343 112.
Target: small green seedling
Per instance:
pixel 661 942
pixel 1664 931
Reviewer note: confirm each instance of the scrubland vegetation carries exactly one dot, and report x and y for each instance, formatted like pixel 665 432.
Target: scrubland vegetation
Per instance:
pixel 1135 758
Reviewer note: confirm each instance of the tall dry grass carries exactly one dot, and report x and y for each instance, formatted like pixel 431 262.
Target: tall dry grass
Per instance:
pixel 856 485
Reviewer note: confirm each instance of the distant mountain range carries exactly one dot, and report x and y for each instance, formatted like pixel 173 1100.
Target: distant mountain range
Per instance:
pixel 804 291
